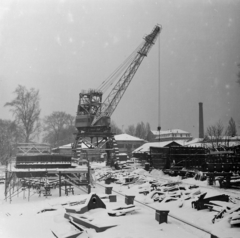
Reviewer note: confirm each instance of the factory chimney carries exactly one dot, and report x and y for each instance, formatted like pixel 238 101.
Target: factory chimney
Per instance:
pixel 201 127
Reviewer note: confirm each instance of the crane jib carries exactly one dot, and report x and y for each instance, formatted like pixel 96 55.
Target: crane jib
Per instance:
pixel 92 112
pixel 114 97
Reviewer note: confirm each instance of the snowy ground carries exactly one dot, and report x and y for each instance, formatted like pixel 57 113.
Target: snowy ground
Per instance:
pixel 21 218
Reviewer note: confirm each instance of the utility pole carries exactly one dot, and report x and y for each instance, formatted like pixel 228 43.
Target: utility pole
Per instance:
pixel 159 129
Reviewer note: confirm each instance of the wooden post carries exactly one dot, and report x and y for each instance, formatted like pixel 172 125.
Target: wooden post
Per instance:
pixel 65 185
pixel 18 187
pixel 28 190
pixel 88 175
pixel 6 182
pixel 60 184
pixel 10 195
pixel 13 183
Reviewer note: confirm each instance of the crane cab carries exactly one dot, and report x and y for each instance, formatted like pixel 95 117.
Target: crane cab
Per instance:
pixel 89 106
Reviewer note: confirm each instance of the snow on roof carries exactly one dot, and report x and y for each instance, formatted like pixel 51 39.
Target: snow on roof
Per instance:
pixel 193 141
pixel 68 146
pixel 121 137
pixel 146 147
pixel 176 131
pixel 234 143
pixel 126 137
pixel 198 142
pixel 227 138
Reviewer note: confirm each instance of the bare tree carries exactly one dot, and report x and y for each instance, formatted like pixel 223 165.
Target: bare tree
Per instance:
pixel 142 131
pixel 238 75
pixel 131 130
pixel 215 133
pixel 238 81
pixel 231 129
pixel 59 128
pixel 26 110
pixel 10 134
pixel 149 136
pixel 115 129
pixel 70 120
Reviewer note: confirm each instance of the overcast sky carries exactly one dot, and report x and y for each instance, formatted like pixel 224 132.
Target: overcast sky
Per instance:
pixel 61 47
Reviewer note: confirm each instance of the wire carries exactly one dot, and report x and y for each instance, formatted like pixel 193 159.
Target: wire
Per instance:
pixel 114 75
pixel 159 102
pixel 107 83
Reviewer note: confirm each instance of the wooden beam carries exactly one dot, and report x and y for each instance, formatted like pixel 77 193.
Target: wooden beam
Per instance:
pixel 74 185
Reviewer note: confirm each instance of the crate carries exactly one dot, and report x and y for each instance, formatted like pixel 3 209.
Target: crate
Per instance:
pixel 108 190
pixel 129 199
pixel 161 216
pixel 112 198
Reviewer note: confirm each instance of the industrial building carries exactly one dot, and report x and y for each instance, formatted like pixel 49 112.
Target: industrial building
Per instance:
pixel 127 143
pixel 172 135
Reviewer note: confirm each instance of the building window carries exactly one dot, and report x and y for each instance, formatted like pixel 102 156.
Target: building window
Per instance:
pixel 128 146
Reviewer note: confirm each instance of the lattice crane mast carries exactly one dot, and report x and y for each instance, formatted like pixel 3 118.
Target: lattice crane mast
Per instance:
pixel 92 114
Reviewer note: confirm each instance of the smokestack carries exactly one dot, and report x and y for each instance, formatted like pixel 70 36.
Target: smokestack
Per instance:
pixel 201 127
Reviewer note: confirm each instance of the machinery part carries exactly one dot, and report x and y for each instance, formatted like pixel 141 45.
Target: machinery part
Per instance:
pixel 93 115
pixel 91 111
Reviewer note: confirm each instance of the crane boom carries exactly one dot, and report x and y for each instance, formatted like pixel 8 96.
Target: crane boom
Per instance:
pixel 92 113
pixel 114 97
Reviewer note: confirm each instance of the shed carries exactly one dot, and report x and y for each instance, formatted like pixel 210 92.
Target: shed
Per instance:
pixel 145 148
pixel 143 152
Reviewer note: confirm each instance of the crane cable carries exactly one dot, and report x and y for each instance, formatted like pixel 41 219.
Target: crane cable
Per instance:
pixel 106 84
pixel 159 103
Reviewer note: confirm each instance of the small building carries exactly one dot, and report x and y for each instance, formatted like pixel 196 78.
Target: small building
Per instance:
pixel 145 148
pixel 143 152
pixel 172 135
pixel 127 144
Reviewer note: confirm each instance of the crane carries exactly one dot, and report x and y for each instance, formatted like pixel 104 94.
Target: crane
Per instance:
pixel 93 114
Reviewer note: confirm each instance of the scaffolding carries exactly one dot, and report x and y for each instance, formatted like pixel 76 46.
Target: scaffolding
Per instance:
pixel 40 173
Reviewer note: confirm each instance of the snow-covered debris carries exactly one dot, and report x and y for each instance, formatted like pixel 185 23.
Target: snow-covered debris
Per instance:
pixel 45 216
